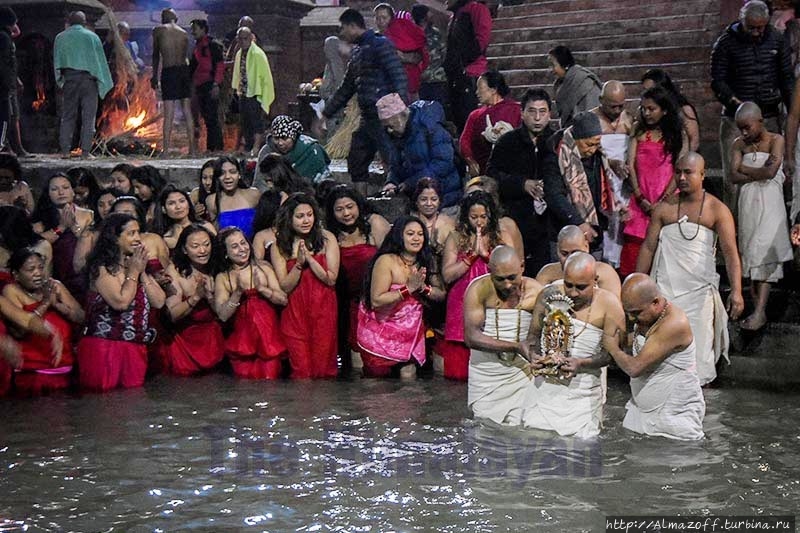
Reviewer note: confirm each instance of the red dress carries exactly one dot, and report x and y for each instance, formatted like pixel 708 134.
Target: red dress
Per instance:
pixel 255 347
pixel 309 325
pixel 113 353
pixel 354 262
pixel 37 375
pixel 195 343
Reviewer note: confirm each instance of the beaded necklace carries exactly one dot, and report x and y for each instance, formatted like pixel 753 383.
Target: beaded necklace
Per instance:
pixel 637 347
pixel 699 215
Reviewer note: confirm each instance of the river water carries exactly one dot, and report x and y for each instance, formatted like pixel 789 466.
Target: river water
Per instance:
pixel 217 454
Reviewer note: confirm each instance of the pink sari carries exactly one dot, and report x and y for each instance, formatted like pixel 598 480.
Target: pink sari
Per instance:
pixel 654 170
pixel 396 333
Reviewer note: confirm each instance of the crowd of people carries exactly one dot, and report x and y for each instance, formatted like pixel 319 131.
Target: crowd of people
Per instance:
pixel 516 227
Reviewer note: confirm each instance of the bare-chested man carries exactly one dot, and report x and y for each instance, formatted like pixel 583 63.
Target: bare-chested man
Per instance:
pixel 497 313
pixel 616 125
pixel 678 252
pixel 171 52
pixel 572 239
pixel 573 404
pixel 666 398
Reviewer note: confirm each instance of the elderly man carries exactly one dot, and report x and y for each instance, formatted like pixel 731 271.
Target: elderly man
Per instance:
pixel 374 71
pixel 252 81
pixel 171 52
pixel 571 403
pixel 497 314
pixel 751 62
pixel 575 185
pixel 678 252
pixel 83 74
pixel 666 398
pixel 616 124
pixel 570 240
pixel 408 39
pixel 516 163
pixel 421 147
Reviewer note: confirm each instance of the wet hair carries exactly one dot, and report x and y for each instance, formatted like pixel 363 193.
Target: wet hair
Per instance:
pixel 393 244
pixel 201 191
pixel 275 168
pixel 179 257
pixel 465 229
pixel 16 231
pixel 422 184
pixel 563 56
pixel 663 80
pixel 671 124
pixel 362 222
pixel 219 251
pixel 45 212
pixel 534 95
pixel 284 233
pixel 149 176
pixel 106 250
pixel 242 184
pixel 83 177
pixel 161 221
pixel 141 214
pixel 200 23
pixel 21 255
pixel 352 16
pixel 495 80
pixel 93 201
pixel 266 210
pixel 419 12
pixel 10 162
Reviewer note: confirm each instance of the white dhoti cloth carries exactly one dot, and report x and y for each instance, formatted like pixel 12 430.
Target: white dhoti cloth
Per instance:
pixel 668 402
pixel 763 231
pixel 496 389
pixel 615 146
pixel 685 271
pixel 573 408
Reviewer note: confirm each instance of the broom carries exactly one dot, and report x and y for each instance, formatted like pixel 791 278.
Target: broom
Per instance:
pixel 338 146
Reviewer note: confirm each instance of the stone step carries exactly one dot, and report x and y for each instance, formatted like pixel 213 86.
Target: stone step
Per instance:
pixel 617 12
pixel 565 33
pixel 591 43
pixel 606 58
pixel 762 372
pixel 686 70
pixel 560 6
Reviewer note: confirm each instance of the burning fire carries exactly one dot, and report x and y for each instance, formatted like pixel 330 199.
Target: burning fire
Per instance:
pixel 135 122
pixel 41 98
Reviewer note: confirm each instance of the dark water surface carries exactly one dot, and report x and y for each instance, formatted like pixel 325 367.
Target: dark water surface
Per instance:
pixel 216 454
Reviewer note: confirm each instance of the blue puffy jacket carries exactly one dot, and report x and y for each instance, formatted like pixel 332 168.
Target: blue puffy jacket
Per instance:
pixel 426 151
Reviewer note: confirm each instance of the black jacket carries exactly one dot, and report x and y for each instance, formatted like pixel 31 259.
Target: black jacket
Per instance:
pixel 559 203
pixel 515 158
pixel 759 72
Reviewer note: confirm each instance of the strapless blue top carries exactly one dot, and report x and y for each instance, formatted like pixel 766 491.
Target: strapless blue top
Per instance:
pixel 240 218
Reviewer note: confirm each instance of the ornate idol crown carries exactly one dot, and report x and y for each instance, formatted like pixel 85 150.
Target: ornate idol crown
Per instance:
pixel 556 338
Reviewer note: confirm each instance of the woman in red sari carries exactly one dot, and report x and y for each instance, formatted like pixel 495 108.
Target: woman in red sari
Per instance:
pixel 466 256
pixel 306 261
pixel 174 212
pixel 113 352
pixel 360 234
pixel 194 343
pixel 391 330
pixel 33 292
pixel 247 290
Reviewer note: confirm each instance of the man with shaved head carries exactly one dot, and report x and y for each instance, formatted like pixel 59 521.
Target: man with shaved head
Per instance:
pixel 678 252
pixel 171 53
pixel 571 239
pixel 756 166
pixel 616 124
pixel 666 398
pixel 497 314
pixel 572 404
pixel 82 72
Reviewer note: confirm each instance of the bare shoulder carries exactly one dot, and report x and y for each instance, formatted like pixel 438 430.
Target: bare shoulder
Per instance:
pixel 253 194
pixel 329 237
pixel 530 293
pixel 508 224
pixel 738 144
pixel 607 299
pixel 479 287
pixel 549 273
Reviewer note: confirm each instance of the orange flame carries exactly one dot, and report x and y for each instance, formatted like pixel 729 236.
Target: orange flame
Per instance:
pixel 135 121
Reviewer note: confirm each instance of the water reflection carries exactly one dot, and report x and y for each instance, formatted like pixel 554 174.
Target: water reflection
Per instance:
pixel 367 455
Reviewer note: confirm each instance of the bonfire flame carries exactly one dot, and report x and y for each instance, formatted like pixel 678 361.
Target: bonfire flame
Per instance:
pixel 135 122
